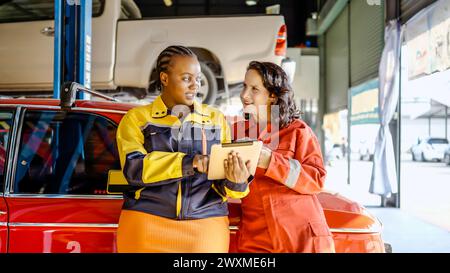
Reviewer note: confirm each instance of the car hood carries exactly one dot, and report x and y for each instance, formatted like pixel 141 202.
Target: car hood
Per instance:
pixel 342 214
pixel 346 216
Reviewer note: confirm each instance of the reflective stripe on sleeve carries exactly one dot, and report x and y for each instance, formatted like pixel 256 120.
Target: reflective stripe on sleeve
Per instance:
pixel 294 173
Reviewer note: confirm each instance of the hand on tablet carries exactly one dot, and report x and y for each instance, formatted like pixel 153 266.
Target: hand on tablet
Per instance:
pixel 235 169
pixel 200 163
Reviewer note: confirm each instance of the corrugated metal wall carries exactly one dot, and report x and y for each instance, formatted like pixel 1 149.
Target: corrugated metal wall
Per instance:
pixel 366 40
pixel 353 47
pixel 337 63
pixel 408 8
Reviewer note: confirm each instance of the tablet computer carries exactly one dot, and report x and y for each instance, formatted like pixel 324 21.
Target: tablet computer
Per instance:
pixel 248 150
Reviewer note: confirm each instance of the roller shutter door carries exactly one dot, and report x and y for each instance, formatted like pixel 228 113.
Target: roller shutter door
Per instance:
pixel 366 40
pixel 337 64
pixel 409 8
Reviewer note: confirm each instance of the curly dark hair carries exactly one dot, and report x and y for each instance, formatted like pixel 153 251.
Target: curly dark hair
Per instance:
pixel 164 58
pixel 276 81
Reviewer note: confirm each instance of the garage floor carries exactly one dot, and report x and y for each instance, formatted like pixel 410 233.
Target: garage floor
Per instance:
pixel 422 226
pixel 409 234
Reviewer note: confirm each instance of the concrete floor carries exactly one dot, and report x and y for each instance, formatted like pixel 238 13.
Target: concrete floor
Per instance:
pixel 425 191
pixel 409 234
pixel 422 225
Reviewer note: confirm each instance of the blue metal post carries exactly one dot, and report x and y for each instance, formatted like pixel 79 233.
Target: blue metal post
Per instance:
pixel 84 46
pixel 58 59
pixel 70 39
pixel 72 53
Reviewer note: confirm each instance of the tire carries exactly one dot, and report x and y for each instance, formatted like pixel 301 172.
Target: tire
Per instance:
pixel 414 157
pixel 447 159
pixel 208 94
pixel 422 157
pixel 387 248
pixel 366 157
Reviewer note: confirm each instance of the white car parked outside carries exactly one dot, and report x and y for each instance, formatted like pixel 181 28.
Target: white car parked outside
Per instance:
pixel 429 149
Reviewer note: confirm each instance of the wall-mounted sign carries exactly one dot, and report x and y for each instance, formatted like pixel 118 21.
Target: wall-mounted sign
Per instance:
pixel 364 103
pixel 428 40
pixel 439 20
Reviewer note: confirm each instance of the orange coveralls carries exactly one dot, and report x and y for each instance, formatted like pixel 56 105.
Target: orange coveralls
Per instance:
pixel 282 212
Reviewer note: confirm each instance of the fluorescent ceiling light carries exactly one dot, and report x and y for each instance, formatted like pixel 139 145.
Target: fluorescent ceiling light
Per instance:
pixel 251 2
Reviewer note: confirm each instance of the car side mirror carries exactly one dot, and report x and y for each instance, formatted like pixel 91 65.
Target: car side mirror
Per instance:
pixel 68 94
pixel 69 90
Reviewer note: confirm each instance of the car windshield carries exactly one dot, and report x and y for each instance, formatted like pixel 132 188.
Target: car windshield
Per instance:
pixel 438 141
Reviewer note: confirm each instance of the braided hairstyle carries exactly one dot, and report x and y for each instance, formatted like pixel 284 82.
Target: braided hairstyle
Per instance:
pixel 276 81
pixel 165 57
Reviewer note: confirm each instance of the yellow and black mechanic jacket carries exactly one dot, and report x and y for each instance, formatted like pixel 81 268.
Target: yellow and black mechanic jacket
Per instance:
pixel 156 148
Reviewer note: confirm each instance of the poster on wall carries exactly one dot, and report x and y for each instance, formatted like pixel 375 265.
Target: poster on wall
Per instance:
pixel 418 42
pixel 419 56
pixel 364 103
pixel 428 40
pixel 439 19
pixel 447 38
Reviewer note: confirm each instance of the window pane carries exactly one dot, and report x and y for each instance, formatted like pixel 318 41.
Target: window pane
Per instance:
pixel 5 125
pixel 438 141
pixel 425 152
pixel 30 10
pixel 65 153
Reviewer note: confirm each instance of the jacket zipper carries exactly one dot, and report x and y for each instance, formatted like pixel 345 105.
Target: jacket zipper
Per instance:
pixel 179 200
pixel 189 179
pixel 185 208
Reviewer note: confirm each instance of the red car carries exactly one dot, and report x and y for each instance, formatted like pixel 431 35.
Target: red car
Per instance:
pixel 54 166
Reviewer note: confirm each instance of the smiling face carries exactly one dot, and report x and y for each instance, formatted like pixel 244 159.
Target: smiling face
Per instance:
pixel 181 81
pixel 255 97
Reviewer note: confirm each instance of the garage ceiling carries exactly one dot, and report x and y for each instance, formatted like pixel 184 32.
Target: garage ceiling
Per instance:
pixel 295 12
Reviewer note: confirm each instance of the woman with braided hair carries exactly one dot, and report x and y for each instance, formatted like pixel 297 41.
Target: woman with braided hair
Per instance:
pixel 163 148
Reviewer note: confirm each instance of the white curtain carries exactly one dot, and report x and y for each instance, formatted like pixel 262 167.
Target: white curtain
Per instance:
pixel 384 174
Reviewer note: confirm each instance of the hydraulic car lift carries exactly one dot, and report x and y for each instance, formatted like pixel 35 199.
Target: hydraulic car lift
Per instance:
pixel 72 46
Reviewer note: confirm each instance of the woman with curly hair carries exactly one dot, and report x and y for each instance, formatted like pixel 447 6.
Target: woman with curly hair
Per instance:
pixel 281 213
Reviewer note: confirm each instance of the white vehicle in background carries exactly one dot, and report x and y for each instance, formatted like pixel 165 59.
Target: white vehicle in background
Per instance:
pixel 125 47
pixel 429 149
pixel 366 150
pixel 333 152
pixel 363 139
pixel 447 156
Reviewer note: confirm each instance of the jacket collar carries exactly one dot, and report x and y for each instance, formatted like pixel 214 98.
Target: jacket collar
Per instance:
pixel 159 109
pixel 201 109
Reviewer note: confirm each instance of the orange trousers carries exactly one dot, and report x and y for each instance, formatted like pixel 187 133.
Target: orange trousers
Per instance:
pixel 142 232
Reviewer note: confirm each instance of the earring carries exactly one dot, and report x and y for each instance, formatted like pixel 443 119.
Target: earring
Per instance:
pixel 272 96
